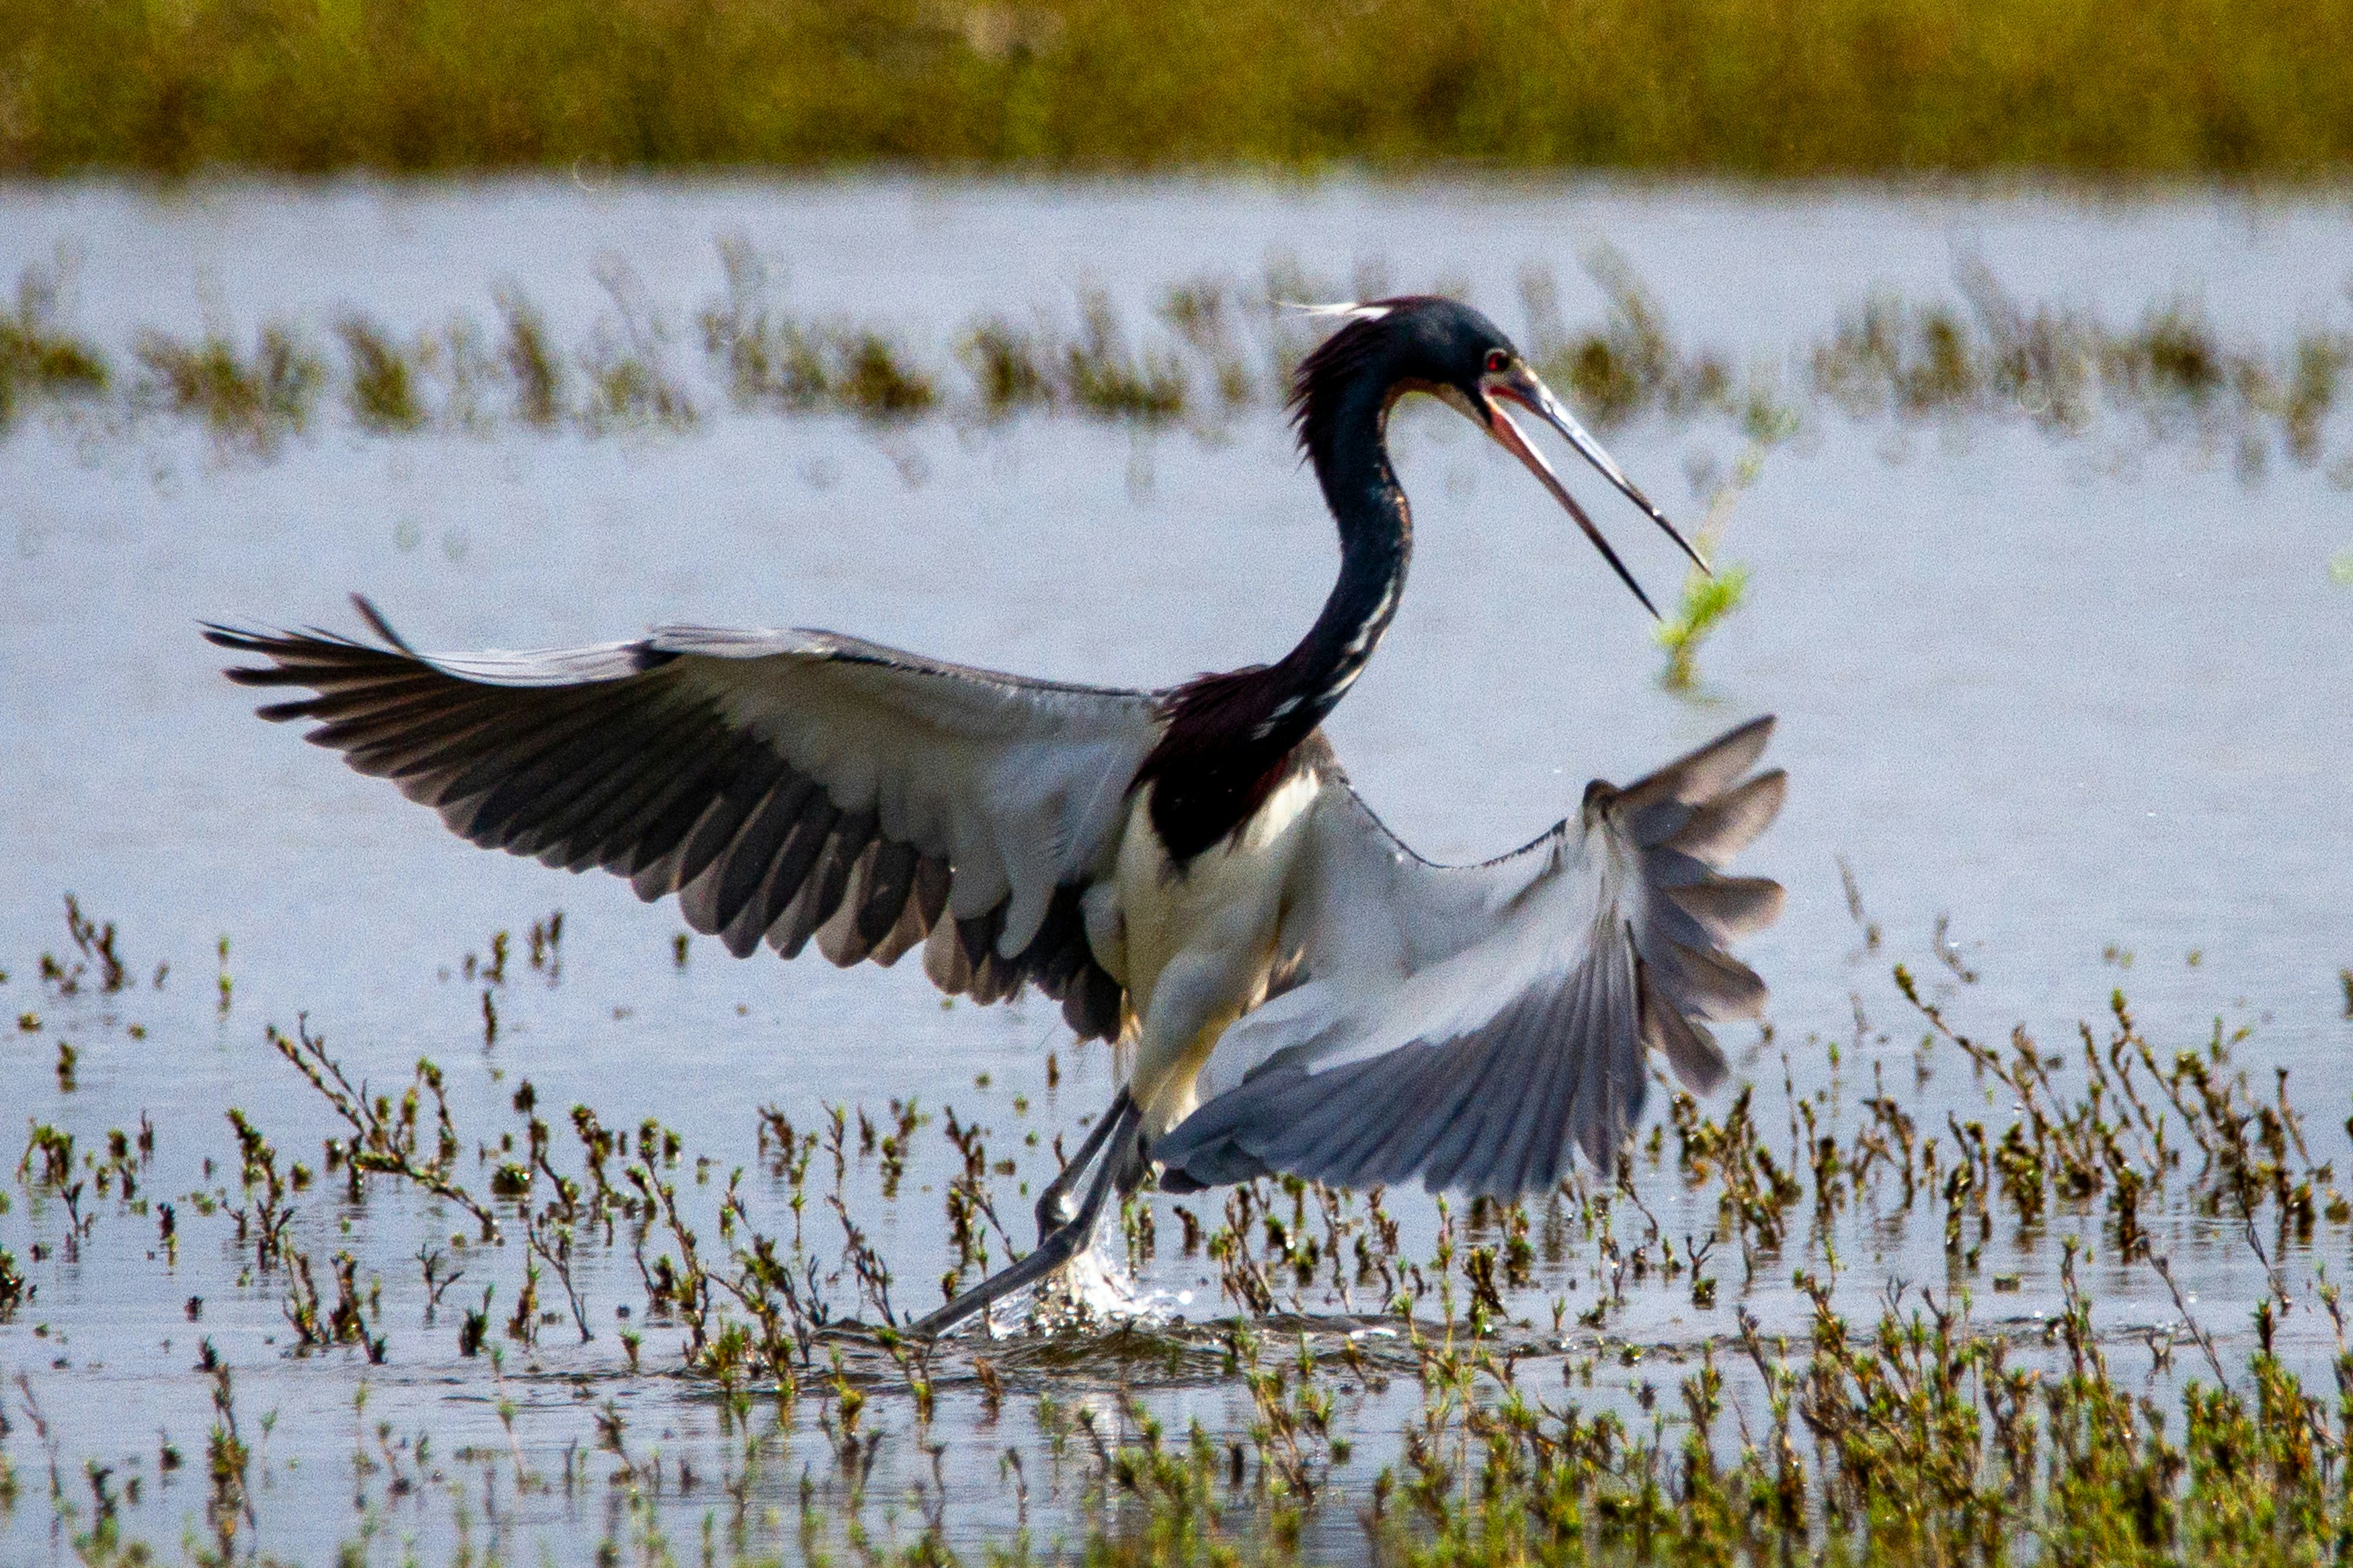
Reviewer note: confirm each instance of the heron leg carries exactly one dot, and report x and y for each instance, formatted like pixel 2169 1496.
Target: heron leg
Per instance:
pixel 1053 1211
pixel 1121 1169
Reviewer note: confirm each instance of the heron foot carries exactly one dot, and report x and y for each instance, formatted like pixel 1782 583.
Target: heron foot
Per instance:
pixel 1058 1245
pixel 1054 1207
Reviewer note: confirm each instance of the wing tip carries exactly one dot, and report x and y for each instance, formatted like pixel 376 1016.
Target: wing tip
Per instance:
pixel 1700 813
pixel 278 644
pixel 1698 775
pixel 237 640
pixel 381 627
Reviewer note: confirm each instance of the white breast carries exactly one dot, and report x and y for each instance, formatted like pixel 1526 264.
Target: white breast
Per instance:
pixel 1196 948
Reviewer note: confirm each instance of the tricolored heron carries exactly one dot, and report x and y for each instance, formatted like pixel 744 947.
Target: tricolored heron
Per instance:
pixel 1185 870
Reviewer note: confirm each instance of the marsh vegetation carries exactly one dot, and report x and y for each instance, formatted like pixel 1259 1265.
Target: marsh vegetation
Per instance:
pixel 1700 1356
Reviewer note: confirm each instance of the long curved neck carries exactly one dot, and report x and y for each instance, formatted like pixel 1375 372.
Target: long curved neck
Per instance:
pixel 1352 463
pixel 1231 738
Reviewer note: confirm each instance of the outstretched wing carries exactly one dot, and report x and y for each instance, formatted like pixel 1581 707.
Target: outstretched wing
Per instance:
pixel 784 784
pixel 1468 1025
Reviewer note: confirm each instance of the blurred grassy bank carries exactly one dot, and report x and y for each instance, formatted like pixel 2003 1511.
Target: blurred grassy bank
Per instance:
pixel 1762 87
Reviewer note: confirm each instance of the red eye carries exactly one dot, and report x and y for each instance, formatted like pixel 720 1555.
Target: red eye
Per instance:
pixel 1496 360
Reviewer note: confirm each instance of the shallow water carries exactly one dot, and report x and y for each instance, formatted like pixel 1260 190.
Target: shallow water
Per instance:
pixel 2086 698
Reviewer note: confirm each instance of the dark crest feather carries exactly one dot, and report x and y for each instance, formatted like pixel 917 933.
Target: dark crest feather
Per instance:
pixel 1335 362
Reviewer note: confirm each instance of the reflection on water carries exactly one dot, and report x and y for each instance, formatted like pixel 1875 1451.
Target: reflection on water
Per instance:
pixel 2071 729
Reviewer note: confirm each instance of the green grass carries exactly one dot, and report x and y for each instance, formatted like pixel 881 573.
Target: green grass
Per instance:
pixel 1758 86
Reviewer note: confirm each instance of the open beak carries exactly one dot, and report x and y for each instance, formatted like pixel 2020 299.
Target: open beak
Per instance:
pixel 1517 383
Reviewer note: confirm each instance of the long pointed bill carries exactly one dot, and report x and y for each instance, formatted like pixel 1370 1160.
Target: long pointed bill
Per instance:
pixel 1507 435
pixel 1519 384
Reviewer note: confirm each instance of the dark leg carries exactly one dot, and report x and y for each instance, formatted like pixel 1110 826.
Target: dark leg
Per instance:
pixel 1119 1169
pixel 1053 1212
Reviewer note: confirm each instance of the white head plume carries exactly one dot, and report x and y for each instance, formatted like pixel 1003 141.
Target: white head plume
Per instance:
pixel 1344 311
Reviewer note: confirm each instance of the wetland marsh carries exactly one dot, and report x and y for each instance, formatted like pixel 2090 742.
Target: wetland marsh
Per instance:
pixel 2038 502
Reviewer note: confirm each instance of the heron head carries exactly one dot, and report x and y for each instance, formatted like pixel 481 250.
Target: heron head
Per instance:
pixel 1444 348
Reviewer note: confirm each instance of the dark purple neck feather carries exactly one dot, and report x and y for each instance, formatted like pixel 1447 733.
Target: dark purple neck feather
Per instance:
pixel 1231 738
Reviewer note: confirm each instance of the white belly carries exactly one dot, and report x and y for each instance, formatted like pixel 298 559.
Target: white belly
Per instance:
pixel 1199 948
